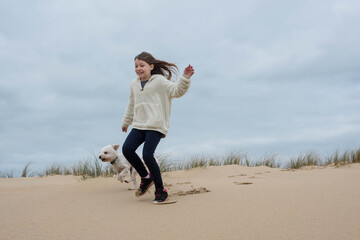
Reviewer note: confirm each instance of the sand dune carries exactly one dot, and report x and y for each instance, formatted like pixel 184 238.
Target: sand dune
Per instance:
pixel 227 202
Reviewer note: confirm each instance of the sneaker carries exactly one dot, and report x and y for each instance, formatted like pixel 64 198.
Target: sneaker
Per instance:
pixel 161 196
pixel 145 184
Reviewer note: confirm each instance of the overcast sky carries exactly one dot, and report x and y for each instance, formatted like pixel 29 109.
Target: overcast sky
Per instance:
pixel 271 77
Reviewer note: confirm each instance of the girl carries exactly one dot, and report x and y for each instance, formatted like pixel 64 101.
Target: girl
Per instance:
pixel 149 111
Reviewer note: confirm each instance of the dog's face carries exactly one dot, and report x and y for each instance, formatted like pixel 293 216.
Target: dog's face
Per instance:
pixel 108 153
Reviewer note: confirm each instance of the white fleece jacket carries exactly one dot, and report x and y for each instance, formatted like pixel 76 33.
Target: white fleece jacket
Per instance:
pixel 149 107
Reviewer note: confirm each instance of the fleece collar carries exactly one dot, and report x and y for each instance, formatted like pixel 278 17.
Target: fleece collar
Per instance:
pixel 151 78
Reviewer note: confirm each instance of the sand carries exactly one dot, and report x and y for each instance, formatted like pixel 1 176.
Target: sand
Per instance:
pixel 227 202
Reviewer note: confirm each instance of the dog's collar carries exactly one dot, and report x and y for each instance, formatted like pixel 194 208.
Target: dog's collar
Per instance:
pixel 113 161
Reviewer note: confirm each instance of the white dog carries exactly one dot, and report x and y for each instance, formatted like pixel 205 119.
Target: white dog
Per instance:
pixel 122 166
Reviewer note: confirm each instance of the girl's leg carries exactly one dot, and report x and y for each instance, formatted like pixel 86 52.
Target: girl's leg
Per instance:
pixel 152 139
pixel 133 141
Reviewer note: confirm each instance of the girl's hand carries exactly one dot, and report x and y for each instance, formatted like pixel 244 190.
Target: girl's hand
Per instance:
pixel 189 71
pixel 124 129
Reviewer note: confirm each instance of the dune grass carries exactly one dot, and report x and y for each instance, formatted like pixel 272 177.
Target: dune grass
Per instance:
pixel 26 171
pixel 309 159
pixel 92 167
pixel 7 175
pixel 336 159
pixel 232 158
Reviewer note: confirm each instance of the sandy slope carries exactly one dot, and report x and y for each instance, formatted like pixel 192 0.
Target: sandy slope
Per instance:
pixel 243 203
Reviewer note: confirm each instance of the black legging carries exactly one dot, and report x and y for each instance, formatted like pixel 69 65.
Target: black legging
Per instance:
pixel 150 139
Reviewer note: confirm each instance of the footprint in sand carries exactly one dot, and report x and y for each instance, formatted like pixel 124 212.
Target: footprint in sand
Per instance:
pixel 243 183
pixel 259 173
pixel 192 191
pixel 238 175
pixel 183 183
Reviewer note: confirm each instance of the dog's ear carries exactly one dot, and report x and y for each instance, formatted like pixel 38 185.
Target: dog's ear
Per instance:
pixel 116 146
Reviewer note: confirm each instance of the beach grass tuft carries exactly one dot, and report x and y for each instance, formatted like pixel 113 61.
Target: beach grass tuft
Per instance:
pixel 164 164
pixel 234 158
pixel 89 168
pixel 309 159
pixel 267 160
pixel 7 175
pixel 26 171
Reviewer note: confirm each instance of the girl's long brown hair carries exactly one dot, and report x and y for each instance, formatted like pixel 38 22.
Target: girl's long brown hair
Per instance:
pixel 160 67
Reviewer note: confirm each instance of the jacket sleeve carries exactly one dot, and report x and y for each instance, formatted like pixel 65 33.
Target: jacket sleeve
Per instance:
pixel 176 90
pixel 129 114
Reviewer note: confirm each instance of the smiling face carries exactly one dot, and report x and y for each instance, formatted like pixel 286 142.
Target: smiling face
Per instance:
pixel 143 69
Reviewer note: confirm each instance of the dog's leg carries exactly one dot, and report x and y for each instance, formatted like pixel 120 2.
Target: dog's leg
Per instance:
pixel 121 175
pixel 132 172
pixel 133 176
